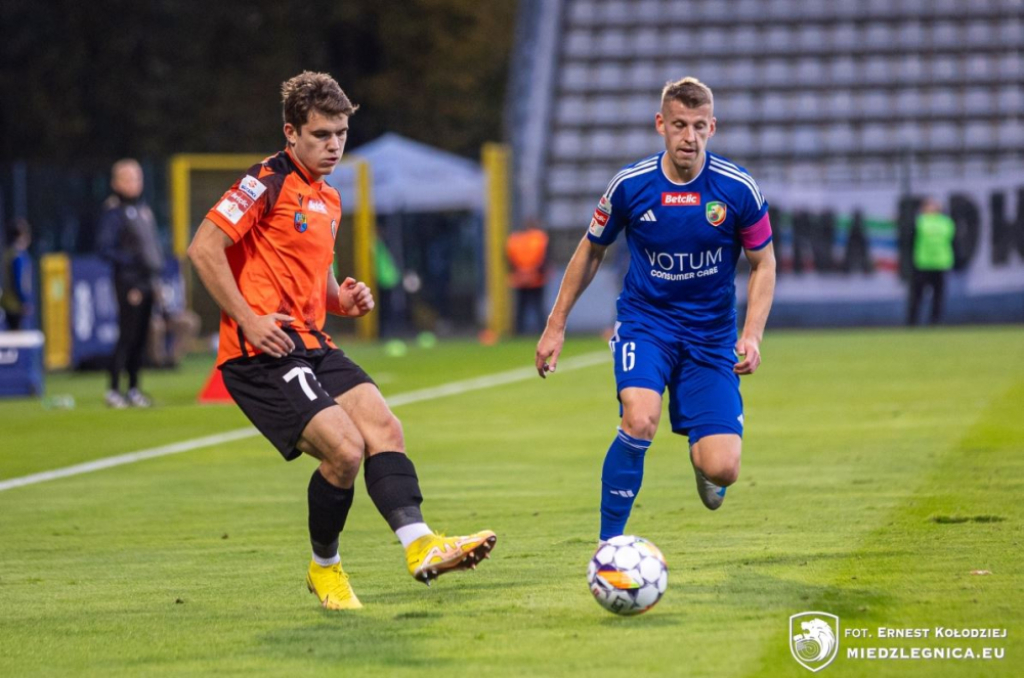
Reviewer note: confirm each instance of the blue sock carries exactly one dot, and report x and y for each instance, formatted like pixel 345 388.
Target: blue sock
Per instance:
pixel 620 482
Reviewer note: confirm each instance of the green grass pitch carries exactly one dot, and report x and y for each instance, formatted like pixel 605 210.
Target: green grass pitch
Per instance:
pixel 881 468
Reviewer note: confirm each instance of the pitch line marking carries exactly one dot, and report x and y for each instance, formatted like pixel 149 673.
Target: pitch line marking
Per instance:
pixel 420 395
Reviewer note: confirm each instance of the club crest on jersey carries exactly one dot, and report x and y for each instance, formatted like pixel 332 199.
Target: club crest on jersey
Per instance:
pixel 300 222
pixel 715 213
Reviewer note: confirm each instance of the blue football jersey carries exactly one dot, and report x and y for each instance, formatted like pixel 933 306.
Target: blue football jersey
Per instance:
pixel 684 241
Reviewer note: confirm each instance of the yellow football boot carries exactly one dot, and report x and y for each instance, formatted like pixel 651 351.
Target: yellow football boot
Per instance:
pixel 330 585
pixel 432 555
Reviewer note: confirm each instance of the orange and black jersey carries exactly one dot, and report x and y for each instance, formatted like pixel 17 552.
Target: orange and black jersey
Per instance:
pixel 283 227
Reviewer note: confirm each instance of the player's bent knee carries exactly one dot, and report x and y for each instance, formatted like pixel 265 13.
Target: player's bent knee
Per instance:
pixel 640 425
pixel 392 434
pixel 384 434
pixel 724 475
pixel 718 457
pixel 723 469
pixel 345 459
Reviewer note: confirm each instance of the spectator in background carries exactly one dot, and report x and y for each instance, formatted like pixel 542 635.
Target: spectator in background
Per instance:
pixel 932 257
pixel 128 240
pixel 16 299
pixel 527 252
pixel 172 330
pixel 388 279
pixel 858 248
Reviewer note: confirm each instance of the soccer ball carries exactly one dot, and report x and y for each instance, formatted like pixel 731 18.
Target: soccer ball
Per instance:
pixel 627 575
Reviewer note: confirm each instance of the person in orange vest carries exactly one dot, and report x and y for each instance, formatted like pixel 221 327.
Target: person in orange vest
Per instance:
pixel 527 252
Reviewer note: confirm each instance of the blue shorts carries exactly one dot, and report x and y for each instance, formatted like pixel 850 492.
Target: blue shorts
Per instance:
pixel 704 393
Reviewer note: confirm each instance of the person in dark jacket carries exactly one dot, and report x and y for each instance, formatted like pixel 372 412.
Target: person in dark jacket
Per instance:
pixel 16 296
pixel 128 240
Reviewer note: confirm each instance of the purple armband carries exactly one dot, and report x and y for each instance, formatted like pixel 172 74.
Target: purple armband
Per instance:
pixel 757 236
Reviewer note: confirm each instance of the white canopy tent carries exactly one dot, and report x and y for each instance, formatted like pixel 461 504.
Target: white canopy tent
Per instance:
pixel 412 177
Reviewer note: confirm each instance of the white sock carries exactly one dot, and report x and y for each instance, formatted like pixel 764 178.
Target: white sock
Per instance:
pixel 407 534
pixel 326 562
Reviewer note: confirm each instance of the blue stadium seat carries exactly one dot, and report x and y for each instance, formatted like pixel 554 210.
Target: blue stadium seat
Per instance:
pixel 944 136
pixel 806 140
pixel 911 69
pixel 944 34
pixel 909 135
pixel 812 37
pixel 844 71
pixel 1011 99
pixel 841 104
pixel 874 137
pixel 1011 30
pixel 1011 133
pixel 979 101
pixel 839 137
pixel 614 43
pixel 775 72
pixel 877 70
pixel 1010 65
pixel 978 134
pixel 610 75
pixel 945 69
pixel 568 144
pixel 978 66
pixel 735 141
pixel 575 77
pixel 944 101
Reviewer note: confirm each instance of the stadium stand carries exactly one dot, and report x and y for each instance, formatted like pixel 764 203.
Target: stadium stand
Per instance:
pixel 844 91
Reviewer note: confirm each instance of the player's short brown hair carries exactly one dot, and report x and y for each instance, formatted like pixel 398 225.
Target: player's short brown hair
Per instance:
pixel 310 91
pixel 689 91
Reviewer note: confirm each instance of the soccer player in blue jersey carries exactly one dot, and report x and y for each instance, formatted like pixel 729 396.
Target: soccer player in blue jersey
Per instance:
pixel 686 214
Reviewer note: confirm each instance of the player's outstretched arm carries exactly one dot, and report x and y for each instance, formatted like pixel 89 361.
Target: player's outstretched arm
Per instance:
pixel 211 263
pixel 351 298
pixel 760 290
pixel 582 268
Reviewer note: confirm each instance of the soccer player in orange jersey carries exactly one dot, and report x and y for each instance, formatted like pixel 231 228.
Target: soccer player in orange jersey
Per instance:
pixel 264 252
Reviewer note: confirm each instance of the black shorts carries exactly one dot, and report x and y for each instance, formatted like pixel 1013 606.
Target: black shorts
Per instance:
pixel 281 395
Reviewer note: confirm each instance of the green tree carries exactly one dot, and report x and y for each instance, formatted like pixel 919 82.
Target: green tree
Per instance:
pixel 116 77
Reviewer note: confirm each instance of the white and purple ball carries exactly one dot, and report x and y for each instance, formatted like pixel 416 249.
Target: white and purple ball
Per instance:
pixel 627 575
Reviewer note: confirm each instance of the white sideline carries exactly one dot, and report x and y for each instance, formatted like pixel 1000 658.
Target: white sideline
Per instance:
pixel 454 388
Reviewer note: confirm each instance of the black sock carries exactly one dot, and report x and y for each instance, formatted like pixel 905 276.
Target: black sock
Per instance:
pixel 328 509
pixel 394 488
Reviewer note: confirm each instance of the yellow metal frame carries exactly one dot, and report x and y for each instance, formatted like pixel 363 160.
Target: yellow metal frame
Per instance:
pixel 182 166
pixel 364 239
pixel 495 159
pixel 364 215
pixel 55 271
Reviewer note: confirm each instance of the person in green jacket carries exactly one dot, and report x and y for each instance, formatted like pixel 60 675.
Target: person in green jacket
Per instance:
pixel 933 257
